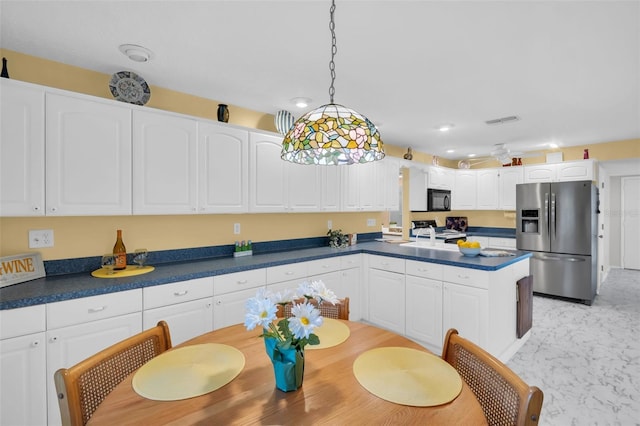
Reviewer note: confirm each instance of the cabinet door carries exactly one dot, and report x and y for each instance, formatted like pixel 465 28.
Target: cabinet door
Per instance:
pixel 391 184
pixel 466 309
pixel 21 150
pixel 69 345
pixel 418 178
pixel 369 188
pixel 350 287
pixel 575 170
pixel 464 197
pixel 24 380
pixel 186 320
pixel 223 167
pixel 229 308
pixel 330 192
pixel 88 157
pixel 164 164
pixel 487 187
pixel 350 188
pixel 441 178
pixel 267 174
pixel 509 178
pixel 303 183
pixel 387 300
pixel 540 173
pixel 424 310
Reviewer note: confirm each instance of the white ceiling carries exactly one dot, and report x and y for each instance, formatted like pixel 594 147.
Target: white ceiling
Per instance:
pixel 569 69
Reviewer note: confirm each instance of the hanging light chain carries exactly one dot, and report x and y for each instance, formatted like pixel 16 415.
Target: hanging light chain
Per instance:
pixel 334 49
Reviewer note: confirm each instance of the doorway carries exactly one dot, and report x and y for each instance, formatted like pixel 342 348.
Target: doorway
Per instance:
pixel 630 222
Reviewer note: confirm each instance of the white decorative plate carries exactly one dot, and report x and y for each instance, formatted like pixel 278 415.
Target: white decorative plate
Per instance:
pixel 127 86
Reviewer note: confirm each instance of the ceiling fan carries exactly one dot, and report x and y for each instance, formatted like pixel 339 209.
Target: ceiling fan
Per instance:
pixel 499 153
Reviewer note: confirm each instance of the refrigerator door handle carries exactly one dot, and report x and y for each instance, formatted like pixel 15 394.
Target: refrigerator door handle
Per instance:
pixel 553 215
pixel 546 210
pixel 561 259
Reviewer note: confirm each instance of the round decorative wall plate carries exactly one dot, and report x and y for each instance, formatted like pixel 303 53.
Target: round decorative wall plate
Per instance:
pixel 127 86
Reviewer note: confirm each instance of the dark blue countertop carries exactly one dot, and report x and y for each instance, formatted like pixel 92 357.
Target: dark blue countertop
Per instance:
pixel 72 286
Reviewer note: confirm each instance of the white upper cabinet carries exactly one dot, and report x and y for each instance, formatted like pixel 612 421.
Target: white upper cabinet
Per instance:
pixel 576 170
pixel 509 177
pixel 560 172
pixel 277 185
pixel 487 189
pixel 330 189
pixel 390 182
pixel 21 150
pixel 88 157
pixel 304 182
pixel 463 196
pixel 267 174
pixel 418 177
pixel 164 164
pixel 359 187
pixel 441 177
pixel 223 166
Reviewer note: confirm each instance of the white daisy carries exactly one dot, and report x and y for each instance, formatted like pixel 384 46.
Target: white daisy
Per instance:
pixel 259 311
pixel 304 320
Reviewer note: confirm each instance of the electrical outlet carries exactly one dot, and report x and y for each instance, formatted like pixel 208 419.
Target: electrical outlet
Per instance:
pixel 40 238
pixel 236 228
pixel 371 222
pixel 329 224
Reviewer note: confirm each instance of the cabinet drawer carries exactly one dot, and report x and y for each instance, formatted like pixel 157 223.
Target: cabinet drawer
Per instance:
pixel 322 266
pixel 288 272
pixel 424 269
pixel 507 243
pixel 228 283
pixel 465 276
pixel 184 291
pixel 351 261
pixel 21 321
pixel 392 264
pixel 79 311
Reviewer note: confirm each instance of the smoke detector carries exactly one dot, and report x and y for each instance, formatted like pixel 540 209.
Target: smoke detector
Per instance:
pixel 136 53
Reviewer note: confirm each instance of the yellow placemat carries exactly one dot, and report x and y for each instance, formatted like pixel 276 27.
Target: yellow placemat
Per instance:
pixel 331 333
pixel 130 271
pixel 188 372
pixel 407 376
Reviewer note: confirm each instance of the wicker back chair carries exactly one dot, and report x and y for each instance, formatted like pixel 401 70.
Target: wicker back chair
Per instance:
pixel 505 398
pixel 327 309
pixel 84 386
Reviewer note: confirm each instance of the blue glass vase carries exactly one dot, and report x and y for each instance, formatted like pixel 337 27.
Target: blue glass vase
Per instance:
pixel 288 365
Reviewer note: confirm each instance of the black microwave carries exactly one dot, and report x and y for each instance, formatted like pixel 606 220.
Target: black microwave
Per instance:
pixel 438 200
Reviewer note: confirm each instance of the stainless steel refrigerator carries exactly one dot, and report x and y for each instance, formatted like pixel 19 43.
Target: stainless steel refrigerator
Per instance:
pixel 558 223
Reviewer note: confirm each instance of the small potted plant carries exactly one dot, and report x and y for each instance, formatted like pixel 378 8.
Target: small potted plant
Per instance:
pixel 337 239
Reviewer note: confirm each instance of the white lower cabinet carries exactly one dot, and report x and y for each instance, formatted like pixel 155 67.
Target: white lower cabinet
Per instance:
pixel 344 280
pixel 465 309
pixel 186 306
pixel 423 320
pixel 69 345
pixel 386 291
pixel 79 328
pixel 23 363
pixel 231 292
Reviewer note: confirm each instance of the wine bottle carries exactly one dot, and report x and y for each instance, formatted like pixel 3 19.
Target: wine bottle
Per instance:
pixel 120 252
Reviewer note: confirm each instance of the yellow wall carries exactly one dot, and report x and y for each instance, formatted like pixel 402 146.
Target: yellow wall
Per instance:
pixel 93 236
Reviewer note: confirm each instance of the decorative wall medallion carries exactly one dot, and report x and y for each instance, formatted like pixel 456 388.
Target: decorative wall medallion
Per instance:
pixel 127 86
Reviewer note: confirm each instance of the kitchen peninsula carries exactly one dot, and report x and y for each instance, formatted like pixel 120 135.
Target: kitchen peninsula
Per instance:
pixel 416 292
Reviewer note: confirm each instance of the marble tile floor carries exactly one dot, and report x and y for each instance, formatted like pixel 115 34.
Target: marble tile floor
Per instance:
pixel 586 359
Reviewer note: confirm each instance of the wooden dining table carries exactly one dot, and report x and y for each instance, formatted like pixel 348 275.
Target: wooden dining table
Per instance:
pixel 330 393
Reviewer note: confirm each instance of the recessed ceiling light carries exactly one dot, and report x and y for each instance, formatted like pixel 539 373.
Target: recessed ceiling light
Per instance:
pixel 451 151
pixel 301 102
pixel 136 53
pixel 553 145
pixel 445 127
pixel 471 155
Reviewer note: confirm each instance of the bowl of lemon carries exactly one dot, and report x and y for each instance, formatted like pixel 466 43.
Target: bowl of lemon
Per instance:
pixel 469 248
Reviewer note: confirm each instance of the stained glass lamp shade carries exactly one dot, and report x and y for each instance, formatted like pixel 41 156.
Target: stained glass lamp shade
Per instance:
pixel 332 134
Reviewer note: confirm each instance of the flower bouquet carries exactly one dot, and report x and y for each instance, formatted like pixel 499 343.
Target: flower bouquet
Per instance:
pixel 285 340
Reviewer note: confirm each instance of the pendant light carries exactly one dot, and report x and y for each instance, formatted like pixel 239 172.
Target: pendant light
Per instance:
pixel 332 133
